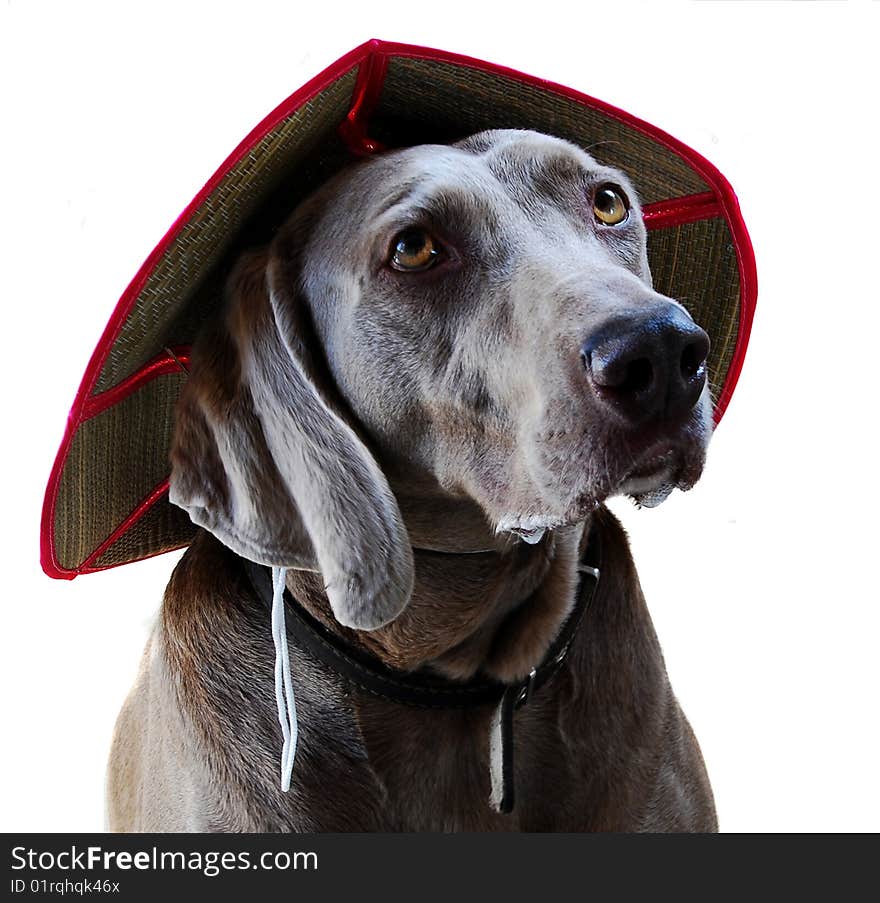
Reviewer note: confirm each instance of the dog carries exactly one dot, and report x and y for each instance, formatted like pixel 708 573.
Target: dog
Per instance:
pixel 417 398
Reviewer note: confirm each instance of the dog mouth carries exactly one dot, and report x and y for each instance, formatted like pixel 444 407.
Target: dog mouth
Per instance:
pixel 649 480
pixel 653 479
pixel 663 468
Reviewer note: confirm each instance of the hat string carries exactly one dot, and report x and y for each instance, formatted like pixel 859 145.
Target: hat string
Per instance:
pixel 283 682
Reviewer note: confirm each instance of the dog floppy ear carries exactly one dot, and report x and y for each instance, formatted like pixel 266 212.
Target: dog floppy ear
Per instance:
pixel 262 461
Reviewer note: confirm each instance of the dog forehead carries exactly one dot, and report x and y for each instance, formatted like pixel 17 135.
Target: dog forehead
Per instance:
pixel 481 163
pixel 509 151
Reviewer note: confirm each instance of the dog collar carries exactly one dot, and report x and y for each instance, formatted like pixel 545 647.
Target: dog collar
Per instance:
pixel 424 690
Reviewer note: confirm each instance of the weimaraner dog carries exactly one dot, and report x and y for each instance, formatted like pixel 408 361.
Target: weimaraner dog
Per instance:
pixel 417 398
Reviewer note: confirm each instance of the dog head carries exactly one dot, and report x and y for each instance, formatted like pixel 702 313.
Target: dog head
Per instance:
pixel 480 319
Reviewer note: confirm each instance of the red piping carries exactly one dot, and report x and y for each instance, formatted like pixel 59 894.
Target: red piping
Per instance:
pixel 748 273
pixel 106 567
pixel 166 363
pixel 175 359
pixel 678 211
pixel 367 89
pixel 142 507
pixel 373 56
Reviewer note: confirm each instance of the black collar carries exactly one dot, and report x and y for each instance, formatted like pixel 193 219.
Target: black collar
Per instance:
pixel 427 691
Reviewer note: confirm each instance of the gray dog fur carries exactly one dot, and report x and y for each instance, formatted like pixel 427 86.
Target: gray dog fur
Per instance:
pixel 390 436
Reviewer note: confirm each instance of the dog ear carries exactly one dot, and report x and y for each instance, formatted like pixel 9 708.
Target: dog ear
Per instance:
pixel 262 461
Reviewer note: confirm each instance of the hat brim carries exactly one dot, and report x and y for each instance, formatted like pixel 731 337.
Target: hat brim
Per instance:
pixel 106 502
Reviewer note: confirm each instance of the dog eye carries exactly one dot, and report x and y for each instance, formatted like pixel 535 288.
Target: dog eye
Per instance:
pixel 610 206
pixel 412 250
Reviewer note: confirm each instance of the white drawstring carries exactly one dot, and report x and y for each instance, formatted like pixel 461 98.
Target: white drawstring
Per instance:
pixel 283 682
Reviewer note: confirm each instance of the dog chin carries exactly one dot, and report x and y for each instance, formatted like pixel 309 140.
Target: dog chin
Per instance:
pixel 653 483
pixel 530 528
pixel 648 485
pixel 651 498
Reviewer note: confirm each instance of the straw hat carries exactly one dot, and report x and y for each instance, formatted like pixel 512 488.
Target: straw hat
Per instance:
pixel 106 503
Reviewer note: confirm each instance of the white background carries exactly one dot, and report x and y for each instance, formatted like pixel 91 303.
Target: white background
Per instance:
pixel 762 581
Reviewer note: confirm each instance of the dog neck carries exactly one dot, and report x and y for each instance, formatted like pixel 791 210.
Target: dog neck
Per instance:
pixel 489 612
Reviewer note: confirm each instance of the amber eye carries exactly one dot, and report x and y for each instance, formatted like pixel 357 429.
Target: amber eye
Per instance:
pixel 609 205
pixel 412 250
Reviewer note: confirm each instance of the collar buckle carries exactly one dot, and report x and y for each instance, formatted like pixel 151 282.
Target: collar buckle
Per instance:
pixel 526 690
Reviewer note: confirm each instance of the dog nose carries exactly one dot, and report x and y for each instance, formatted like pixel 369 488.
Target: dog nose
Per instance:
pixel 648 366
